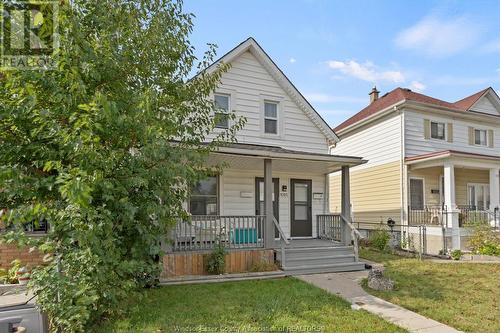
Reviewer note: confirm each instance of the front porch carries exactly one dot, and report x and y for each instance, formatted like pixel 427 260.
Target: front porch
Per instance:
pixel 452 191
pixel 273 200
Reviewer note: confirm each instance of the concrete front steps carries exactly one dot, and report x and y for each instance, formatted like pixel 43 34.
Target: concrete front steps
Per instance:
pixel 324 259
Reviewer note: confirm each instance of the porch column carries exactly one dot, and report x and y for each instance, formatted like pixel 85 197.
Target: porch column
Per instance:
pixel 450 203
pixel 494 193
pixel 268 204
pixel 346 204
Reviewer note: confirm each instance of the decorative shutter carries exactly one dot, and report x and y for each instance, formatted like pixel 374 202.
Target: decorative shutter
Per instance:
pixel 427 129
pixel 471 135
pixel 450 132
pixel 491 138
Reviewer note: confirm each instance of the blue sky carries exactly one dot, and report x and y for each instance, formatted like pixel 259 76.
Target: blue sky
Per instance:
pixel 335 51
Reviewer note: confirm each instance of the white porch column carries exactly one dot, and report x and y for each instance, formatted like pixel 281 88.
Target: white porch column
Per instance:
pixel 268 204
pixel 451 206
pixel 346 204
pixel 494 193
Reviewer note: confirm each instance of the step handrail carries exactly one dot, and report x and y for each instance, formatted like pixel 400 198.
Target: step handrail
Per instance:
pixel 283 241
pixel 355 235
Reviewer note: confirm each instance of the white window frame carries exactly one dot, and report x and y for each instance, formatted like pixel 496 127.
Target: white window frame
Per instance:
pixel 486 194
pixel 486 136
pixel 217 197
pixel 229 101
pixel 423 191
pixel 445 130
pixel 278 100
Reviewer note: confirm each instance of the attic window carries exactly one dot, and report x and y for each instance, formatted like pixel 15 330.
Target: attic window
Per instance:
pixel 270 117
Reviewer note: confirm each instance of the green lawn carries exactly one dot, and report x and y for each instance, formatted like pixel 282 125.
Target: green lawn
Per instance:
pixel 257 305
pixel 464 296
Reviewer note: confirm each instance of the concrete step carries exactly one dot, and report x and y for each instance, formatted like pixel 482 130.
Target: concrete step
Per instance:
pixel 319 260
pixel 317 251
pixel 331 268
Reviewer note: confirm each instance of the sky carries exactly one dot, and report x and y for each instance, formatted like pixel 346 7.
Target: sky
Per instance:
pixel 336 51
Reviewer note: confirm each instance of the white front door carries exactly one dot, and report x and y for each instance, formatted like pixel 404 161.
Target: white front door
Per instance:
pixel 478 196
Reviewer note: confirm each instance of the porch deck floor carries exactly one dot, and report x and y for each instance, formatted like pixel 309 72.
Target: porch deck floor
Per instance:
pixel 305 243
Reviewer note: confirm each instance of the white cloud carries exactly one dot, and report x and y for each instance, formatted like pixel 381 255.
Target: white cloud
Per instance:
pixel 366 72
pixel 326 98
pixel 293 60
pixel 417 86
pixel 438 36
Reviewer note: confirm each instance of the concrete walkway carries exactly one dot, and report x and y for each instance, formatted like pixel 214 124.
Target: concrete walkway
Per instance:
pixel 347 286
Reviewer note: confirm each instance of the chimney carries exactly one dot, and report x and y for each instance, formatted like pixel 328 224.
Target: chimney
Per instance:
pixel 373 94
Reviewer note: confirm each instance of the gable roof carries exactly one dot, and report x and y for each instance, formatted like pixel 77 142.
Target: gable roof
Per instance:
pixel 401 95
pixel 265 60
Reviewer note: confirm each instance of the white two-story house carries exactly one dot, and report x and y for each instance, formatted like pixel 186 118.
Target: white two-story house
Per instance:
pixel 430 162
pixel 273 191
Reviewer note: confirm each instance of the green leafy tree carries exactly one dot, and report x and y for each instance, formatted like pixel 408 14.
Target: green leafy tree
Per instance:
pixel 104 149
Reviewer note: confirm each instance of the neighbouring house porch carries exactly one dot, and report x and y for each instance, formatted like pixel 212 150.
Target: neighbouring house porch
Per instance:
pixel 452 191
pixel 267 198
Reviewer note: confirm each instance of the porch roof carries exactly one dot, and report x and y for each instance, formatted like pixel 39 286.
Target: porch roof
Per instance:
pixel 249 156
pixel 455 156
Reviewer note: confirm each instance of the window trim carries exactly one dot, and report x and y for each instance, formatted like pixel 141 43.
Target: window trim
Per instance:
pixel 423 191
pixel 278 100
pixel 445 130
pixel 277 118
pixel 486 136
pixel 229 101
pixel 217 197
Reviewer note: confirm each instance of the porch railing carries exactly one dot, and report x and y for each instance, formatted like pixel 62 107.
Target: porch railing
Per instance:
pixel 329 227
pixel 467 215
pixel 429 215
pixel 203 232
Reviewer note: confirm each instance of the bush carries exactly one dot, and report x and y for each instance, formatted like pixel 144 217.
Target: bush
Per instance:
pixel 263 266
pixel 10 276
pixel 216 262
pixel 485 240
pixel 456 254
pixel 379 239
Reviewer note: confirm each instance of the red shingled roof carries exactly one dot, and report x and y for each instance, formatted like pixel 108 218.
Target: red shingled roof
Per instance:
pixel 402 94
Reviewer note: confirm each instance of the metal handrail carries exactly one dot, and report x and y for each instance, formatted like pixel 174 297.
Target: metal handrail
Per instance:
pixel 355 235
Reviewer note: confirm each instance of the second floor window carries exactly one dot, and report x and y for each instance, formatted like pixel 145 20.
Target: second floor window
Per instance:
pixel 270 117
pixel 438 130
pixel 480 137
pixel 221 115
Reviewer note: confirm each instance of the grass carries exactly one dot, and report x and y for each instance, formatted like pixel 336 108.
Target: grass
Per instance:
pixel 463 295
pixel 251 306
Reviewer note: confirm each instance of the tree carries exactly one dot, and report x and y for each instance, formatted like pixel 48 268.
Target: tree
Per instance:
pixel 104 149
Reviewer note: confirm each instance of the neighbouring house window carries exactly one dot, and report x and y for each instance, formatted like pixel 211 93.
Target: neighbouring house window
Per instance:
pixel 270 117
pixel 416 194
pixel 438 130
pixel 222 113
pixel 203 200
pixel 480 137
pixel 478 196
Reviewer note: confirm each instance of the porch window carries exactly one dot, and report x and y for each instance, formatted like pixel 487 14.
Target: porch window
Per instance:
pixel 438 130
pixel 480 137
pixel 478 196
pixel 222 113
pixel 270 117
pixel 204 197
pixel 416 194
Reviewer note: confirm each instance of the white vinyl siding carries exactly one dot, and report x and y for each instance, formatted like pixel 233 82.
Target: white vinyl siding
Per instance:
pixel 485 105
pixel 415 143
pixel 235 181
pixel 379 143
pixel 250 83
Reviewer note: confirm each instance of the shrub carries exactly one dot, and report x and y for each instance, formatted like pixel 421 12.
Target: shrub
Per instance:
pixel 263 266
pixel 10 276
pixel 485 240
pixel 216 262
pixel 380 239
pixel 456 254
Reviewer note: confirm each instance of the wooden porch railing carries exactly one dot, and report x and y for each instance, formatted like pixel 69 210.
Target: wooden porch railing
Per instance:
pixel 203 232
pixel 329 227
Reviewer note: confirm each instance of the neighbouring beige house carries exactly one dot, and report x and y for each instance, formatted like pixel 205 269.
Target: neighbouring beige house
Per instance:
pixel 430 162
